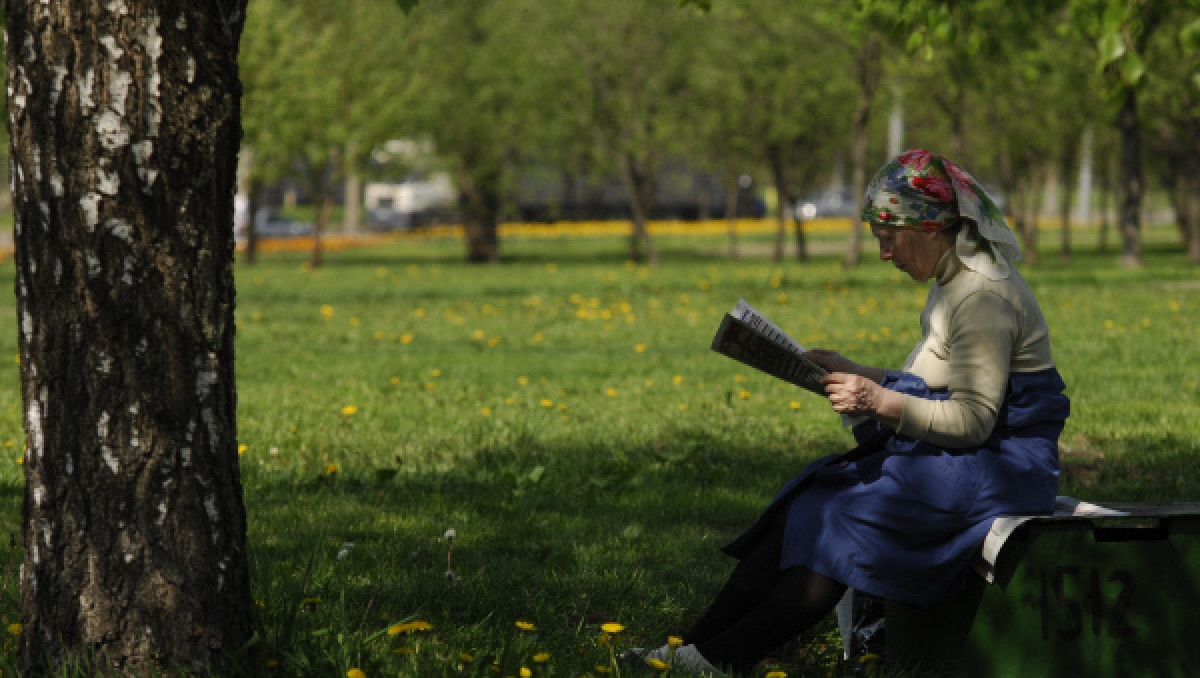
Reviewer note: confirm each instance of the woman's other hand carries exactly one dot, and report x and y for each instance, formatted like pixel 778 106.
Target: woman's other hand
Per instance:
pixel 855 394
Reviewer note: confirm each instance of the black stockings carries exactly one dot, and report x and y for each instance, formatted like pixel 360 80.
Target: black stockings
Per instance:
pixel 761 607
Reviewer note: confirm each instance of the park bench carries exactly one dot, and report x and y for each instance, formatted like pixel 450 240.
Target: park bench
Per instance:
pixel 1093 590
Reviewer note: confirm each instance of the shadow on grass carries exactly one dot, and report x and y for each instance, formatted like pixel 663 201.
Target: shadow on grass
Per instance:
pixel 565 537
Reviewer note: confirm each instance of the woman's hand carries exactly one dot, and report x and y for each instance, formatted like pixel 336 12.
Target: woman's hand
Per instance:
pixel 855 394
pixel 851 393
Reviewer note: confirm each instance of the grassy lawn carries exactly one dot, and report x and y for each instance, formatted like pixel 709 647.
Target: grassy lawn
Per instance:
pixel 563 415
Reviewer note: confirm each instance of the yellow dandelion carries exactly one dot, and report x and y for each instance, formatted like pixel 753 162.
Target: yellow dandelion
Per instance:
pixel 435 373
pixel 776 674
pixel 525 673
pixel 493 341
pixel 537 338
pixel 242 449
pixel 420 313
pixel 466 657
pixel 327 311
pixel 356 673
pixel 546 402
pixel 9 443
pixel 395 380
pixel 349 410
pixel 406 338
pixel 743 394
pixel 640 348
pixel 485 411
pixel 1173 304
pixel 562 407
pixel 1145 322
pixel 674 641
pixel 377 335
pixel 682 407
pixel 477 335
pixel 15 628
pixel 603 670
pixel 657 664
pixel 523 381
pixel 610 392
pixel 541 657
pixel 526 626
pixel 795 405
pixel 332 469
pixel 409 627
pixel 677 379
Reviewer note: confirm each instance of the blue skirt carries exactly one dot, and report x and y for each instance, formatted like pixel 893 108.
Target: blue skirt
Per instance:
pixel 903 519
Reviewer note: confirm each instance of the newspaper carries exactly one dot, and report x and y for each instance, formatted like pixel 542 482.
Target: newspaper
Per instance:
pixel 749 338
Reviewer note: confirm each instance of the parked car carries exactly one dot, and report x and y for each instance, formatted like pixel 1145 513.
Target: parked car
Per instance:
pixel 832 202
pixel 272 223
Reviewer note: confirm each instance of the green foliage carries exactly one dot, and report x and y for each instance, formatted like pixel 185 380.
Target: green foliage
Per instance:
pixel 564 415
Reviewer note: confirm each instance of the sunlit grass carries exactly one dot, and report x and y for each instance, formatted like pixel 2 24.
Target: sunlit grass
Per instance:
pixel 563 415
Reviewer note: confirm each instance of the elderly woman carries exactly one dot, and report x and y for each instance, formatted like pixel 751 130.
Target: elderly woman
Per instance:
pixel 965 432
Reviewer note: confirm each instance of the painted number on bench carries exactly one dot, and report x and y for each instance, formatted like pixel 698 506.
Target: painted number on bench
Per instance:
pixel 1079 593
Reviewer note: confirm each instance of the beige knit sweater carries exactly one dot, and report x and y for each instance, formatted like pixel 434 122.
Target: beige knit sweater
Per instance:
pixel 976 332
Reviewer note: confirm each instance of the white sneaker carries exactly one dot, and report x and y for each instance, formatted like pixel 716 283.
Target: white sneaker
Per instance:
pixel 684 658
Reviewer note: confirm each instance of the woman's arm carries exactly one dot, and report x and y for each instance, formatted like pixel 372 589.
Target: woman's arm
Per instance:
pixel 982 332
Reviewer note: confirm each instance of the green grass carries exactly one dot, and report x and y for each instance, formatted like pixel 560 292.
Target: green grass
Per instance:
pixel 563 414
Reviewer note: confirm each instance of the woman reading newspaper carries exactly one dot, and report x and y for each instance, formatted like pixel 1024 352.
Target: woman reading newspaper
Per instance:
pixel 966 431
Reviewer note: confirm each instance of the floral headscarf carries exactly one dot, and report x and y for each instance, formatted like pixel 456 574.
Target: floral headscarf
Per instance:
pixel 919 190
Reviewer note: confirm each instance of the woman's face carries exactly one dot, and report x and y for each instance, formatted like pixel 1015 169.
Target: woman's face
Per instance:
pixel 915 252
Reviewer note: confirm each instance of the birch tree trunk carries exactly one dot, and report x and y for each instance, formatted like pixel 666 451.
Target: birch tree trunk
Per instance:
pixel 868 72
pixel 124 121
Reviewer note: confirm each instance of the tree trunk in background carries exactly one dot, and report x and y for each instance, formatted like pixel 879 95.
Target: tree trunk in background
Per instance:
pixel 1026 206
pixel 1132 181
pixel 732 189
pixel 1188 206
pixel 124 120
pixel 481 216
pixel 253 202
pixel 351 214
pixel 1108 190
pixel 1066 160
pixel 867 66
pixel 1193 246
pixel 248 186
pixel 777 159
pixel 639 185
pixel 958 113
pixel 323 202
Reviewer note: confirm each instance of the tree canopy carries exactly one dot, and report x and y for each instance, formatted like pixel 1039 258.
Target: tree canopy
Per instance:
pixel 621 89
